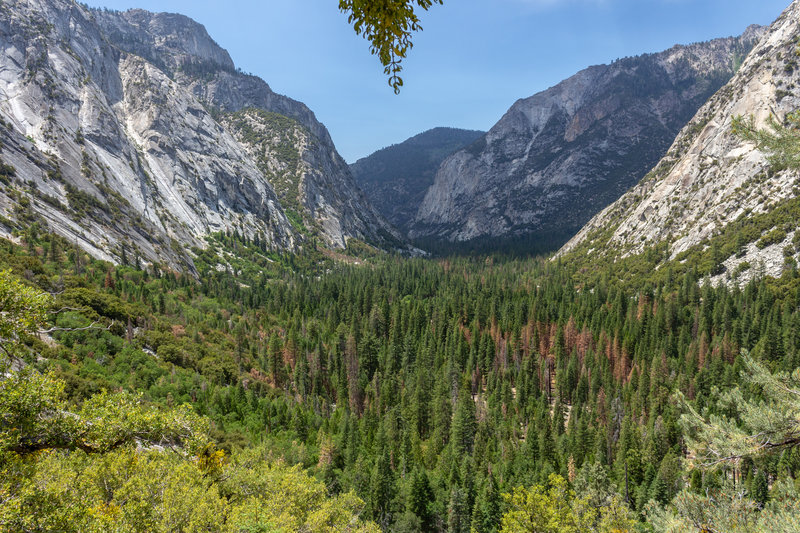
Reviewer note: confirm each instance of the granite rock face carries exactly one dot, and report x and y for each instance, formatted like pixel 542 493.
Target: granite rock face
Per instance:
pixel 312 181
pixel 710 177
pixel 327 198
pixel 560 156
pixel 115 126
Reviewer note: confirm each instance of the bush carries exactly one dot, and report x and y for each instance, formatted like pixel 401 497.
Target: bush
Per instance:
pixel 773 237
pixel 106 305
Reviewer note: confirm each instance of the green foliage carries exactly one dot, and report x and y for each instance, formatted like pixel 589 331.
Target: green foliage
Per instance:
pixel 6 173
pixel 654 266
pixel 773 237
pixel 555 509
pixel 780 141
pixel 592 482
pixel 81 202
pixel 149 490
pixel 760 489
pixel 486 515
pixel 358 248
pixel 274 138
pixel 727 509
pixel 23 310
pixel 747 423
pixel 36 417
pixel 84 204
pixel 267 496
pixel 103 304
pixel 251 261
pixel 296 220
pixel 387 25
pixel 746 428
pixel 116 474
pixel 374 377
pixel 421 500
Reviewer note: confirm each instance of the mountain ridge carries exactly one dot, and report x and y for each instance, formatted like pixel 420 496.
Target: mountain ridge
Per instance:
pixel 560 155
pixel 396 177
pixel 327 197
pixel 120 146
pixel 710 177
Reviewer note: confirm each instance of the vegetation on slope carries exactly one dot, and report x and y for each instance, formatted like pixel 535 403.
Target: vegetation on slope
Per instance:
pixel 113 461
pixel 275 140
pixel 655 264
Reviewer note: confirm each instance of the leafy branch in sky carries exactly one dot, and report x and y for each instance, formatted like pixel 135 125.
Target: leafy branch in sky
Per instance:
pixel 387 25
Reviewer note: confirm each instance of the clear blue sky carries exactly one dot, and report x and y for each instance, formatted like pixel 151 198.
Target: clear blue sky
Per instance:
pixel 471 62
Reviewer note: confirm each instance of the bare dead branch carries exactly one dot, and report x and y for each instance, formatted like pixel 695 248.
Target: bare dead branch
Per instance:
pixel 93 325
pixel 63 309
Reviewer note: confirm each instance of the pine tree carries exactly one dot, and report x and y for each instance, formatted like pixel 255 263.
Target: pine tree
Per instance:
pixel 463 429
pixel 756 427
pixel 275 358
pixel 382 489
pixel 458 516
pixel 781 142
pixel 760 488
pixel 421 499
pixel 486 515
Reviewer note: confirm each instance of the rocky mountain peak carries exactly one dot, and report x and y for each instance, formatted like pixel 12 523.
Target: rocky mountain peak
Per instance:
pixel 168 40
pixel 182 48
pixel 115 135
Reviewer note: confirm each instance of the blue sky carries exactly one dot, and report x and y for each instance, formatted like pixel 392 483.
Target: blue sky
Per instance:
pixel 471 62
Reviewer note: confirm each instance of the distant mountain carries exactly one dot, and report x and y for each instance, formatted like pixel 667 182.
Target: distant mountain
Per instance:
pixel 132 133
pixel 560 156
pixel 715 193
pixel 396 178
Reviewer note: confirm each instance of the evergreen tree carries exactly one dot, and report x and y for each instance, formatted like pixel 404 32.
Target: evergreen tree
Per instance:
pixel 464 425
pixel 487 513
pixel 382 489
pixel 760 489
pixel 421 499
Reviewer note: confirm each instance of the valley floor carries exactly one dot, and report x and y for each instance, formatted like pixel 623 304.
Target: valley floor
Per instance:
pixel 452 394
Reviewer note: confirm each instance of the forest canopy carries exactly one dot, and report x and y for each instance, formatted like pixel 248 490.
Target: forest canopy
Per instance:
pixel 406 394
pixel 118 463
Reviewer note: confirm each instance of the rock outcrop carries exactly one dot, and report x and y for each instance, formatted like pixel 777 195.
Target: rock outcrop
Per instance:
pixel 117 134
pixel 323 193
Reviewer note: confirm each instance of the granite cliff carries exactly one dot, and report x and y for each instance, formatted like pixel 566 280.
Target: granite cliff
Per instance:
pixel 396 178
pixel 119 132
